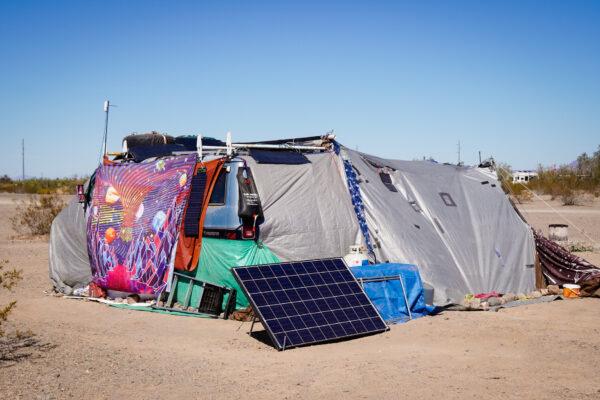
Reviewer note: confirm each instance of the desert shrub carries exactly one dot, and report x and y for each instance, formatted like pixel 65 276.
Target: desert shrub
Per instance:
pixel 569 197
pixel 580 247
pixel 40 185
pixel 35 215
pixel 524 196
pixel 518 191
pixel 8 279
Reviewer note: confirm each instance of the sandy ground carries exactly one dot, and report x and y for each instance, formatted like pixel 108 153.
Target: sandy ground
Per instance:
pixel 538 351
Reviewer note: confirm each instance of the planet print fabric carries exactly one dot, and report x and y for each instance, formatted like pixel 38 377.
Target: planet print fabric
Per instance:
pixel 133 222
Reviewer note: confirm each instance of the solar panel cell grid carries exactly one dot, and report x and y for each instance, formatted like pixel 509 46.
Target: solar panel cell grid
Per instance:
pixel 309 301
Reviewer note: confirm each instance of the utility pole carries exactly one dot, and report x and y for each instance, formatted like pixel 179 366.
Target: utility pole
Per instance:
pixel 479 157
pixel 23 159
pixel 459 163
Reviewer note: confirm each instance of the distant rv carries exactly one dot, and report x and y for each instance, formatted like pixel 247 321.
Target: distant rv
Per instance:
pixel 523 176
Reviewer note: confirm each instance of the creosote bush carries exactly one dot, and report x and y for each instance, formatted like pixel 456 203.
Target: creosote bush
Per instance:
pixel 8 279
pixel 35 215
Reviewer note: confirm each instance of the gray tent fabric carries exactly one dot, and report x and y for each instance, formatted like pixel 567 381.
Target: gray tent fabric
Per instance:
pixel 454 222
pixel 69 262
pixel 307 209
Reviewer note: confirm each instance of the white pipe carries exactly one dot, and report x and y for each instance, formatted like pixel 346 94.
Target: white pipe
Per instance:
pixel 264 146
pixel 228 143
pixel 199 146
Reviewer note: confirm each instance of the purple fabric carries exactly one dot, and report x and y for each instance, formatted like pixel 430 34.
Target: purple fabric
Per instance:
pixel 133 222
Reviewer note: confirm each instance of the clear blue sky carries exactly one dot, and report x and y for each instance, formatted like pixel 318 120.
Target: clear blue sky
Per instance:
pixel 519 80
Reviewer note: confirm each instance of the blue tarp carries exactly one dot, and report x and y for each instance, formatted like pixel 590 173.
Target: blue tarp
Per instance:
pixel 387 294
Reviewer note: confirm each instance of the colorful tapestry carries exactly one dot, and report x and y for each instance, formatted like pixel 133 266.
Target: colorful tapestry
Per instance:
pixel 133 222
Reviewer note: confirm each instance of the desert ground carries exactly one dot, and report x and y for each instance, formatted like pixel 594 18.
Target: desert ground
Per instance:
pixel 93 351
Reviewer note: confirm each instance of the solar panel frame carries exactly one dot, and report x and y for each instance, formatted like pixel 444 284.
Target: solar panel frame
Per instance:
pixel 195 204
pixel 316 305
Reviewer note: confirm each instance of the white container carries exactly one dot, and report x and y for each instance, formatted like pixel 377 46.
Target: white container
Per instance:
pixel 558 232
pixel 356 256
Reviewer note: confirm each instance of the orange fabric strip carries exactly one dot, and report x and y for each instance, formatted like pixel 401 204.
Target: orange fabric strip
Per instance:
pixel 188 248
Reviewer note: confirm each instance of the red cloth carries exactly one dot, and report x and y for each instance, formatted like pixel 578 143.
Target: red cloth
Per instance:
pixel 188 248
pixel 484 296
pixel 96 291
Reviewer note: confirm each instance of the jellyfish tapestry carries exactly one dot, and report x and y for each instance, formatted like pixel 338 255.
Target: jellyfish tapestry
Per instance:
pixel 133 222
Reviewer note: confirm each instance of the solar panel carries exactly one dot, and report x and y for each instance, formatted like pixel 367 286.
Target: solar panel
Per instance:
pixel 194 206
pixel 308 302
pixel 278 157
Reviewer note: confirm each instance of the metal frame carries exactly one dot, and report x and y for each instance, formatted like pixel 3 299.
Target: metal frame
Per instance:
pixel 385 279
pixel 231 292
pixel 230 147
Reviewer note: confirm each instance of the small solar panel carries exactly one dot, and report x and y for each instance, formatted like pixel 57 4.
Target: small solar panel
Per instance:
pixel 308 302
pixel 194 206
pixel 278 157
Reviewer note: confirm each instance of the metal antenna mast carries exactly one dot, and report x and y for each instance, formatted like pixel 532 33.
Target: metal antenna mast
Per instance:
pixel 106 108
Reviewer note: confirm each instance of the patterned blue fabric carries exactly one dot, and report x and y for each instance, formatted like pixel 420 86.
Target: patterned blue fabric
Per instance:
pixel 357 202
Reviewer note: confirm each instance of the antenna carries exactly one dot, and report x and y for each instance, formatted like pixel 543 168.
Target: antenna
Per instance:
pixel 107 106
pixel 23 158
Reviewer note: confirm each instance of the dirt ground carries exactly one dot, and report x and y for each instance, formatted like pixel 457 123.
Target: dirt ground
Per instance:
pixel 543 351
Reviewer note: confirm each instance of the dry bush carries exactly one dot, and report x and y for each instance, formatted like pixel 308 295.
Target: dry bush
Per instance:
pixel 580 247
pixel 569 198
pixel 8 279
pixel 40 185
pixel 524 196
pixel 35 215
pixel 517 190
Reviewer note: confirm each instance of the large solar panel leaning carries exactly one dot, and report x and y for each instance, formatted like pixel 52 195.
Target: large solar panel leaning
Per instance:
pixel 308 302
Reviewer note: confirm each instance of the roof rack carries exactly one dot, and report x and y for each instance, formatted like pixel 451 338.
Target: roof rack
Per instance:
pixel 231 147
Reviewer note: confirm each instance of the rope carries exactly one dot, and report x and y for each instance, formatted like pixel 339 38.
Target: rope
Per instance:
pixel 555 210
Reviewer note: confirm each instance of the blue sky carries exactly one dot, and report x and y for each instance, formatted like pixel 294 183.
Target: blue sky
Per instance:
pixel 517 80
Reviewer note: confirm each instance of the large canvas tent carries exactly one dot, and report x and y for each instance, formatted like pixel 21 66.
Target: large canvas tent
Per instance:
pixel 453 222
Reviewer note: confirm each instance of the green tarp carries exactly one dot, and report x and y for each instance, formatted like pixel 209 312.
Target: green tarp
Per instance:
pixel 217 258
